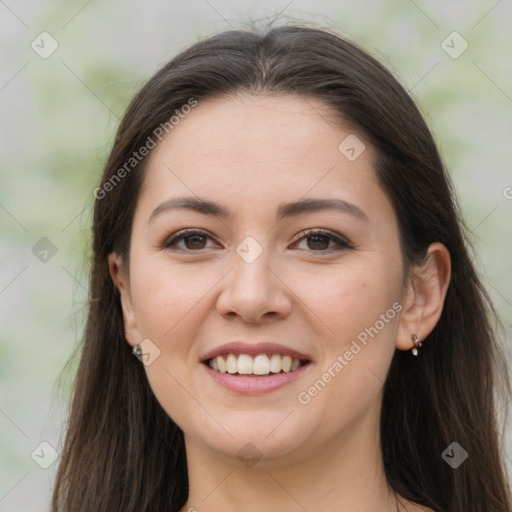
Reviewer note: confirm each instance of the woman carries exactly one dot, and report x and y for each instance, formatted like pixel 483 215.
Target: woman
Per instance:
pixel 276 240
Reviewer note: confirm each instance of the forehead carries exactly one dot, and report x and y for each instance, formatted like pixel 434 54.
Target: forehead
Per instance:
pixel 265 128
pixel 257 150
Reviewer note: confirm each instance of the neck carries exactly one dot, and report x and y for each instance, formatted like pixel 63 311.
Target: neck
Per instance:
pixel 345 474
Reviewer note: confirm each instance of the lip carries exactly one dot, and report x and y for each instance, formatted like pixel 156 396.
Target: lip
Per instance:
pixel 254 349
pixel 254 385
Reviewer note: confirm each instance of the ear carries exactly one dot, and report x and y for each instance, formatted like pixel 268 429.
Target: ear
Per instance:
pixel 424 297
pixel 120 278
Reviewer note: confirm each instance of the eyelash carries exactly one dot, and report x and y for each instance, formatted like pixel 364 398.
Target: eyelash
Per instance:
pixel 343 244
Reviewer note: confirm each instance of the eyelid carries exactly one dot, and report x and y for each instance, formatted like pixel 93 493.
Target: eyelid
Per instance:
pixel 343 243
pixel 180 235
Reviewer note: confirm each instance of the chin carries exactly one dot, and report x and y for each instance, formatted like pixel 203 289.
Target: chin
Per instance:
pixel 257 435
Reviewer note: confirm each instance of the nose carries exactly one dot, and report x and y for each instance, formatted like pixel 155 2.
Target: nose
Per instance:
pixel 254 291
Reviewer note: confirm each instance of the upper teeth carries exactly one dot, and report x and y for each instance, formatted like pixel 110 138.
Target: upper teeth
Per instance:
pixel 262 364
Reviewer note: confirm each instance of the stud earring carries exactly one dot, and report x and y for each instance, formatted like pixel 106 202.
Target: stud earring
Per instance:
pixel 137 352
pixel 417 345
pixel 136 349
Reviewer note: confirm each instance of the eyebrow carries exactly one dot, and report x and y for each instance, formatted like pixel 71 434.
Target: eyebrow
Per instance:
pixel 284 210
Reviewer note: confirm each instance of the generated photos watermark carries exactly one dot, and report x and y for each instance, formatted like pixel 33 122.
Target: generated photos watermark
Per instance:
pixel 304 397
pixel 138 156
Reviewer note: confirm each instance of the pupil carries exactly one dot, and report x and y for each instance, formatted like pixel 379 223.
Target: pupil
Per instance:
pixel 317 237
pixel 195 240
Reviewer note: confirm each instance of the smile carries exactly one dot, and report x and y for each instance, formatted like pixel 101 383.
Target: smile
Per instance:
pixel 262 364
pixel 238 373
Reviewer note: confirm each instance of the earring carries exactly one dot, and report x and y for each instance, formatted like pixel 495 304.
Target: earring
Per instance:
pixel 417 345
pixel 137 352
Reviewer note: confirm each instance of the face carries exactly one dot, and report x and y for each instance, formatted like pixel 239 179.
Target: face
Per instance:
pixel 318 282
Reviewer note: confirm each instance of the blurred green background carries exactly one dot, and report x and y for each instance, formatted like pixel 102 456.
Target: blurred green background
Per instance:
pixel 60 106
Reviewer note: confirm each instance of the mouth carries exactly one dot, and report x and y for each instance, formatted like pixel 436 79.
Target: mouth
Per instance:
pixel 260 365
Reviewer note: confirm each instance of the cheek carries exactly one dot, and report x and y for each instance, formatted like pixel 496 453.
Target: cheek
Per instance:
pixel 360 310
pixel 164 296
pixel 170 312
pixel 353 297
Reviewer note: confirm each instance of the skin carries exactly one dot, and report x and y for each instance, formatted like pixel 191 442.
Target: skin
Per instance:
pixel 250 154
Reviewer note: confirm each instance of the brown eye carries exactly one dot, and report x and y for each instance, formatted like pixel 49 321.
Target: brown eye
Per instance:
pixel 192 241
pixel 319 241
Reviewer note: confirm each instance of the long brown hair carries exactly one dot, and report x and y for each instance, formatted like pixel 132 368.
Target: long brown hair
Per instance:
pixel 123 452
